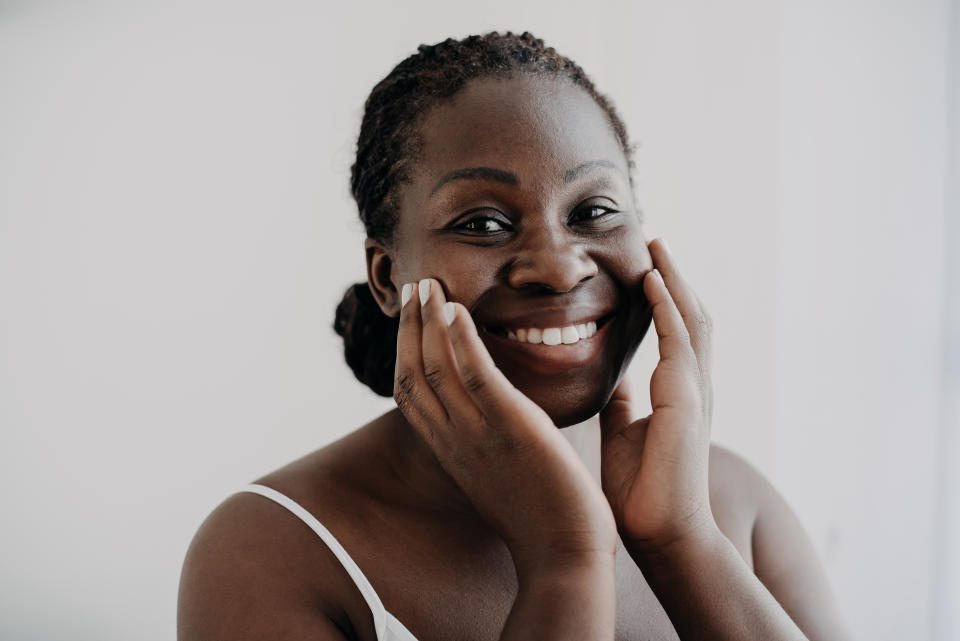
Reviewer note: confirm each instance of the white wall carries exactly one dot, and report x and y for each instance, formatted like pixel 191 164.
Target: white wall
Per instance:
pixel 860 287
pixel 175 231
pixel 947 550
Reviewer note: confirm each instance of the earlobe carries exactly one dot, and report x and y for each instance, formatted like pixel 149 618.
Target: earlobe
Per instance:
pixel 379 277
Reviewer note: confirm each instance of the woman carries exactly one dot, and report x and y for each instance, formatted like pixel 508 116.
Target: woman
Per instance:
pixel 509 284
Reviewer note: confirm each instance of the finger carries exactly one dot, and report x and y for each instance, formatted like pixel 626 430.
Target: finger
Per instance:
pixel 413 395
pixel 490 390
pixel 698 321
pixel 706 363
pixel 439 363
pixel 675 381
pixel 708 355
pixel 695 317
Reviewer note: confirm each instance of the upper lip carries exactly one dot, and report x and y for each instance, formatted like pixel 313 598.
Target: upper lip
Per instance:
pixel 547 317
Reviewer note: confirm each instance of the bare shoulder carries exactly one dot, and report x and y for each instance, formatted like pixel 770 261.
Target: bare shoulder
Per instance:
pixel 254 570
pixel 729 470
pixel 737 492
pixel 755 516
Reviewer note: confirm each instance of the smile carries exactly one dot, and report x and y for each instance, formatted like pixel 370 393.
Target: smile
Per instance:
pixel 565 335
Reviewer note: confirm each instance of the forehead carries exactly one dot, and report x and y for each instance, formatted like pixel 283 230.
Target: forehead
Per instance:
pixel 538 127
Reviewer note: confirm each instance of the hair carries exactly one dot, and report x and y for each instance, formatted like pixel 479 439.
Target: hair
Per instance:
pixel 389 144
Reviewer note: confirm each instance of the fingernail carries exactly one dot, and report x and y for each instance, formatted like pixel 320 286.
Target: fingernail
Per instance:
pixel 405 293
pixel 424 287
pixel 449 313
pixel 665 245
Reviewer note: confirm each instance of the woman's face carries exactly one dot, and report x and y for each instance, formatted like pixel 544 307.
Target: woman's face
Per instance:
pixel 521 207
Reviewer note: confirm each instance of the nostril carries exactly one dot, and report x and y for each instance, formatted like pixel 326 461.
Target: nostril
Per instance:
pixel 550 258
pixel 551 275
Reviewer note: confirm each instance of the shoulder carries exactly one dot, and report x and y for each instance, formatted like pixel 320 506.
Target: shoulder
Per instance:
pixel 744 501
pixel 737 492
pixel 255 570
pixel 757 519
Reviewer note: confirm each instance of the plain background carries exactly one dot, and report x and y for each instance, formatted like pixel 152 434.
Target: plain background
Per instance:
pixel 176 230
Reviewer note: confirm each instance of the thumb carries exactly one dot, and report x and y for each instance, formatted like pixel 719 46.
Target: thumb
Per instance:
pixel 619 410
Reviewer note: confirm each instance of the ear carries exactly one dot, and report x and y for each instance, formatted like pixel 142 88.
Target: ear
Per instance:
pixel 380 278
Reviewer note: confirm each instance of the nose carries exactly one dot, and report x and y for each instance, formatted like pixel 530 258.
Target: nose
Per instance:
pixel 551 259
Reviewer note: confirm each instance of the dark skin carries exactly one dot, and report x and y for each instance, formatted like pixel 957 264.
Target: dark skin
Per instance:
pixel 465 508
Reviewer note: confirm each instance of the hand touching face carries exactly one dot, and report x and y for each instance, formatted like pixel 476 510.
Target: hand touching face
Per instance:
pixel 521 207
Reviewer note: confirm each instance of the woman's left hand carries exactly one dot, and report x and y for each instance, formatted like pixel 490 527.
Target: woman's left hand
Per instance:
pixel 654 469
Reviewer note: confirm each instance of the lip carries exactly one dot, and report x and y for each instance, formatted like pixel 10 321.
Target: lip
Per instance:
pixel 549 359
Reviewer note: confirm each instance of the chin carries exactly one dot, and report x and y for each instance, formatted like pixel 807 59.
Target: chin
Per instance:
pixel 572 404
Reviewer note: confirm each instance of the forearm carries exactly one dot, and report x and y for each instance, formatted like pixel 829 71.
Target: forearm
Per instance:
pixel 710 593
pixel 572 603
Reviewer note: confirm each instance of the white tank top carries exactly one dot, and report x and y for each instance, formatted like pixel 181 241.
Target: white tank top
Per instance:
pixel 388 626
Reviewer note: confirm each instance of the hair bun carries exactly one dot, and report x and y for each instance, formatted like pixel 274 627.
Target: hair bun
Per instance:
pixel 369 338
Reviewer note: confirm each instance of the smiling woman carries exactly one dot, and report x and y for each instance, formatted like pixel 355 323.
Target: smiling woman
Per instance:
pixel 509 285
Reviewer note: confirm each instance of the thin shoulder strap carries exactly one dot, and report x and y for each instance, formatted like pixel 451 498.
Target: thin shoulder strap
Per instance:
pixel 369 594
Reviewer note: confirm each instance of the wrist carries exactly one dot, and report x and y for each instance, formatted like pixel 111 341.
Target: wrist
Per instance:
pixel 690 547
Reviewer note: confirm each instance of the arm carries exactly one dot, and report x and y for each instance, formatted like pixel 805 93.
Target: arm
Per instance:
pixel 786 561
pixel 769 538
pixel 575 602
pixel 709 592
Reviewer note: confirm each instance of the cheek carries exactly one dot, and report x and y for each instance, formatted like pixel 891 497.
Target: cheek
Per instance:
pixel 464 276
pixel 627 257
pixel 462 272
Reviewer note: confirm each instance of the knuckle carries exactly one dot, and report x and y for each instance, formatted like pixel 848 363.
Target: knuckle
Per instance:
pixel 434 375
pixel 403 389
pixel 702 322
pixel 472 379
pixel 404 404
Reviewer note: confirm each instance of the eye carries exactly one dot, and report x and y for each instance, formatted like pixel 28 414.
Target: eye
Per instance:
pixel 591 213
pixel 483 225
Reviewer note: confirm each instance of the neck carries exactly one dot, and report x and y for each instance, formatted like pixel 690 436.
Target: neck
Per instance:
pixel 416 466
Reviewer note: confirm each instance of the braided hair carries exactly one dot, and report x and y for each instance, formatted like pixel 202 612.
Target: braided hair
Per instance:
pixel 388 147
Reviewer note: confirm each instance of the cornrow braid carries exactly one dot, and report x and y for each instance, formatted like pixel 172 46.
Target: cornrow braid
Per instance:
pixel 387 148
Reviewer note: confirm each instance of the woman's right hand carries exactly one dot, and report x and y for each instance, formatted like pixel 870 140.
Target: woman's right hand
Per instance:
pixel 504 452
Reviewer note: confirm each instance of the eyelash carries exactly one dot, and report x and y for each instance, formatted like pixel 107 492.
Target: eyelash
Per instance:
pixel 605 211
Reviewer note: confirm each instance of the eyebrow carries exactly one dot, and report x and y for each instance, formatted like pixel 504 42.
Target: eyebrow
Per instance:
pixel 478 173
pixel 510 178
pixel 583 168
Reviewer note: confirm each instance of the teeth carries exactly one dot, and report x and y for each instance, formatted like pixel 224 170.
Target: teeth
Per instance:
pixel 554 335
